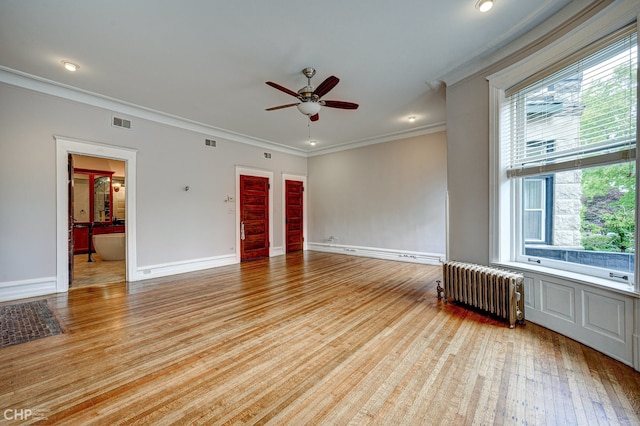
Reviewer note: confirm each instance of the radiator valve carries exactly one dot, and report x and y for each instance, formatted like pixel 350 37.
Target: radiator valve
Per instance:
pixel 439 289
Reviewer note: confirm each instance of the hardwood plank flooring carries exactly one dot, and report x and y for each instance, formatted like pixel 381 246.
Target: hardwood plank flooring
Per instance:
pixel 311 338
pixel 97 272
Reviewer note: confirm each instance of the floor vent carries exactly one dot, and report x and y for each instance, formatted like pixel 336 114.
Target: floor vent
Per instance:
pixel 210 142
pixel 121 122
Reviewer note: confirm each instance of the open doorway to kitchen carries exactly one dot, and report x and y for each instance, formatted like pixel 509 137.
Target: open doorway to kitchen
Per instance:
pixel 100 212
pixel 97 211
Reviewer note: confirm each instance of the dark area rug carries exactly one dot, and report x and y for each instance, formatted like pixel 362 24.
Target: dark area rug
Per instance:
pixel 24 322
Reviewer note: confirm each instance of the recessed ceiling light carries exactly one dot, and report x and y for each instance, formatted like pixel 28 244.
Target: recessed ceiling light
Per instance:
pixel 412 119
pixel 484 5
pixel 312 143
pixel 70 66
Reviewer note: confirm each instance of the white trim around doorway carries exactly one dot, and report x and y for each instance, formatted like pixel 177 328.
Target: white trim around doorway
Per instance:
pixel 65 146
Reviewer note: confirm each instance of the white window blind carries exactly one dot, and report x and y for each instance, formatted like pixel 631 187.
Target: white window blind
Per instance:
pixel 579 114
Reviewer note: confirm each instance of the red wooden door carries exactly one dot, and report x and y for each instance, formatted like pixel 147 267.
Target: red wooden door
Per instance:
pixel 293 218
pixel 254 217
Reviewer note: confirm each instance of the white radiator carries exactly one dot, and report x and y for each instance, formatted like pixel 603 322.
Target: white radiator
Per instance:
pixel 495 291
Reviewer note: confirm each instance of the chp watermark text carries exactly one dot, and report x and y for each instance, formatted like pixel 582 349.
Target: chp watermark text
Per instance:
pixel 22 414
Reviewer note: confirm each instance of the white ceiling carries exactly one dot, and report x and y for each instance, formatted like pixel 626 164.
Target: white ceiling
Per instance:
pixel 207 61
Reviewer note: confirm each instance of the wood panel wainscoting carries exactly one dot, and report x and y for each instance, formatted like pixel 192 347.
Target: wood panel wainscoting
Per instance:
pixel 306 338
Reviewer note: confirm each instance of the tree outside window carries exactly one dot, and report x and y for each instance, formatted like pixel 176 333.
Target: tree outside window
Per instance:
pixel 609 192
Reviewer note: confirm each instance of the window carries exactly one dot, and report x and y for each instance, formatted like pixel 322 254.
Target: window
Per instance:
pixel 537 220
pixel 533 209
pixel 567 163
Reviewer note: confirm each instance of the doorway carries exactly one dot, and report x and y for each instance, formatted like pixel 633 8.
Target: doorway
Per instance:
pixel 97 211
pixel 254 217
pixel 266 227
pixel 64 147
pixel 290 200
pixel 293 215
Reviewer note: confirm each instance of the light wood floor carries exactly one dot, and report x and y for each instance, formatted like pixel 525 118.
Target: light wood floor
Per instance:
pixel 304 339
pixel 97 272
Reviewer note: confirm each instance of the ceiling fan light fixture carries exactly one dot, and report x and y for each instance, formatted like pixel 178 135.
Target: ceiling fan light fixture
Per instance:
pixel 484 5
pixel 309 107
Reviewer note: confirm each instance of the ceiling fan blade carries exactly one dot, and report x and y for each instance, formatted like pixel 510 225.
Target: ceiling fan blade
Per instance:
pixel 340 104
pixel 283 89
pixel 281 106
pixel 326 85
pixel 314 117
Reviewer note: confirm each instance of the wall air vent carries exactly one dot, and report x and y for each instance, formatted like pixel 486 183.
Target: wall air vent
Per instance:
pixel 210 142
pixel 267 155
pixel 121 122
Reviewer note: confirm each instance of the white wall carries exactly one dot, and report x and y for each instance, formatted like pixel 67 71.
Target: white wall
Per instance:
pixel 389 196
pixel 172 225
pixel 468 170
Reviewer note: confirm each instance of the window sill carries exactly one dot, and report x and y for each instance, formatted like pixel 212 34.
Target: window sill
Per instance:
pixel 587 280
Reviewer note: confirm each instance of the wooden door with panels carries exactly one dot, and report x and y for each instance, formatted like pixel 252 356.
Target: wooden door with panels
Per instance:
pixel 293 220
pixel 254 217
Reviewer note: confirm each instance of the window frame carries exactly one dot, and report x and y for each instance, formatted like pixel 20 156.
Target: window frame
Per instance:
pixel 547 209
pixel 591 271
pixel 505 193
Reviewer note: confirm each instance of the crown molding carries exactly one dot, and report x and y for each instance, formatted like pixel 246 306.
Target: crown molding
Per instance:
pixel 560 24
pixel 405 134
pixel 54 88
pixel 42 85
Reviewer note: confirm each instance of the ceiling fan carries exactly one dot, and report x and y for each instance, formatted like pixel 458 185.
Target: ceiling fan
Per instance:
pixel 310 102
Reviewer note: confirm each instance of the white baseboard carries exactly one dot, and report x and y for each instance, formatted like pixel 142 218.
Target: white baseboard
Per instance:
pixel 276 251
pixel 379 253
pixel 12 290
pixel 173 268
